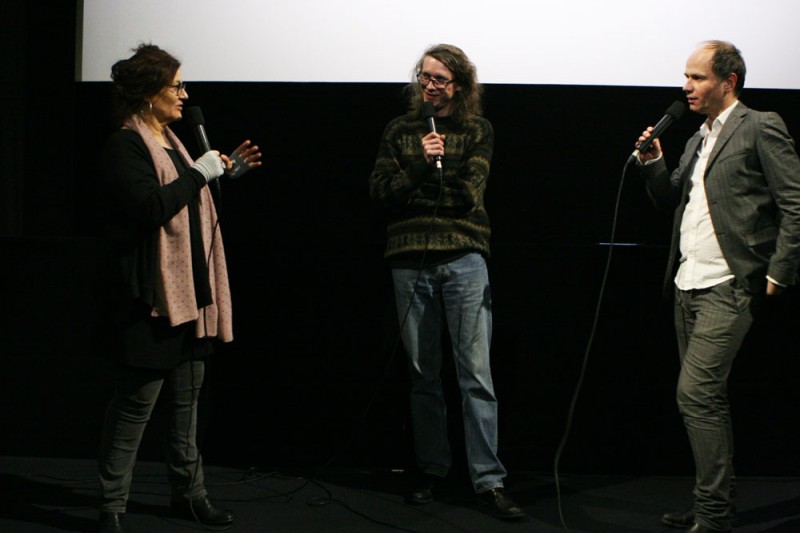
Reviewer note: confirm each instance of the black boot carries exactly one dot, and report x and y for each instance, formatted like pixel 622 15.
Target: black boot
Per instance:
pixel 109 522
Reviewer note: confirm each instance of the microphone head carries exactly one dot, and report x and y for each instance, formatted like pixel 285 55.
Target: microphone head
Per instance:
pixel 676 110
pixel 428 109
pixel 195 116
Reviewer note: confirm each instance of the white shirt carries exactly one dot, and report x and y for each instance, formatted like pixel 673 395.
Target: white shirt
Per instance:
pixel 701 262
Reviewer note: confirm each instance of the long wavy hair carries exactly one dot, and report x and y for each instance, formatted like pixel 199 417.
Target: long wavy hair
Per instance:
pixel 139 78
pixel 466 102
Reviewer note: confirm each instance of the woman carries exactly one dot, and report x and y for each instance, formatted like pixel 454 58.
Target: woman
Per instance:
pixel 173 296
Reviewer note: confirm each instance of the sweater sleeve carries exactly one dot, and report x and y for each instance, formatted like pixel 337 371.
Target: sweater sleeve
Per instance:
pixel 465 178
pixel 391 184
pixel 403 181
pixel 130 179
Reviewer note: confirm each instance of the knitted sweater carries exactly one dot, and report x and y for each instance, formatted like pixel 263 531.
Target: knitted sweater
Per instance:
pixel 409 188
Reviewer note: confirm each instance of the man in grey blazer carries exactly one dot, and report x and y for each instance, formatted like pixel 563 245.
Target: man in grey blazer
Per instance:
pixel 736 238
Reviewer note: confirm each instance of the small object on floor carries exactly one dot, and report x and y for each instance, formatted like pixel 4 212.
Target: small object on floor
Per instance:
pixel 203 511
pixel 500 505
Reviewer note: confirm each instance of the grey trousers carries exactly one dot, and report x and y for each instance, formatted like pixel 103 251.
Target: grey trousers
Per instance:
pixel 711 325
pixel 129 411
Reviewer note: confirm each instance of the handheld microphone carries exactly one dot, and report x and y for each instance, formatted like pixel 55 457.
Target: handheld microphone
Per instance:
pixel 673 113
pixel 428 110
pixel 195 117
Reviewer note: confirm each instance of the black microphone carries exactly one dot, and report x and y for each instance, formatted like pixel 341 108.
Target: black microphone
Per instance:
pixel 673 113
pixel 429 110
pixel 195 117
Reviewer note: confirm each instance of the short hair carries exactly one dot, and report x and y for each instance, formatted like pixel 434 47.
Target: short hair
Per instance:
pixel 139 77
pixel 727 60
pixel 467 101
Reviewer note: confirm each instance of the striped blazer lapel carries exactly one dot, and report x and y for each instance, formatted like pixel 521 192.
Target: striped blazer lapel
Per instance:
pixel 733 122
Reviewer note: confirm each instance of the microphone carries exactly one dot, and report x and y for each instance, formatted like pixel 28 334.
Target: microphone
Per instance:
pixel 673 113
pixel 195 117
pixel 429 110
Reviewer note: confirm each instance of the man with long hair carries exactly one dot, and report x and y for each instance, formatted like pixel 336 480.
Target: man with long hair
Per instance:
pixel 432 183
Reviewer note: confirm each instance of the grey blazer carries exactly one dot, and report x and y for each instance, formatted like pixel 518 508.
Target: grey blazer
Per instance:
pixel 752 183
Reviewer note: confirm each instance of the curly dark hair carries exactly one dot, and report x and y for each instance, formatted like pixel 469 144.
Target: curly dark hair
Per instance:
pixel 467 101
pixel 140 77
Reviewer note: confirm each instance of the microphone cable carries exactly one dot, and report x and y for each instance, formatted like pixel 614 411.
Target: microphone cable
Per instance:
pixel 321 501
pixel 395 344
pixel 589 343
pixel 214 230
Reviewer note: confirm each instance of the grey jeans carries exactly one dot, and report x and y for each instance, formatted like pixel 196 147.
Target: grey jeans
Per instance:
pixel 128 412
pixel 711 325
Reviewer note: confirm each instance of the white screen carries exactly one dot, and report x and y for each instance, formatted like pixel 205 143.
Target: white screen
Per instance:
pixel 561 42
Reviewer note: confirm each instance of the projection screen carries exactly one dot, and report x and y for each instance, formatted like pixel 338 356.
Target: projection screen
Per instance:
pixel 569 42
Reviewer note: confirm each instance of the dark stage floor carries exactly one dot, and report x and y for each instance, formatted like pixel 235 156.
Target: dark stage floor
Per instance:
pixel 44 494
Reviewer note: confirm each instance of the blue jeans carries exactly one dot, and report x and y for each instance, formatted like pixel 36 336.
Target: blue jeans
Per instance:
pixel 127 415
pixel 711 325
pixel 460 291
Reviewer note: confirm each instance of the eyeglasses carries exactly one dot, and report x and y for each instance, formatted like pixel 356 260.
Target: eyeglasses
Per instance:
pixel 180 86
pixel 438 83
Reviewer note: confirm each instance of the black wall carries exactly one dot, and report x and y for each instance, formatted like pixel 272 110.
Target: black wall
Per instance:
pixel 311 374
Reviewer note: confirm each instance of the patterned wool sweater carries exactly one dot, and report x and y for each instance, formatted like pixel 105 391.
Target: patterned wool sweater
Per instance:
pixel 409 188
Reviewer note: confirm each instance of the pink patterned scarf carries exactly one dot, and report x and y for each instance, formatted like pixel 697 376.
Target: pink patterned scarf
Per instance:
pixel 175 286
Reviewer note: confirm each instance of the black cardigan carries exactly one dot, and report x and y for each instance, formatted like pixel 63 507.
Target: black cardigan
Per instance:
pixel 134 206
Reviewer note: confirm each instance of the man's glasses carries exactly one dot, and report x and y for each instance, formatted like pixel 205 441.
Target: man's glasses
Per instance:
pixel 438 83
pixel 180 86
